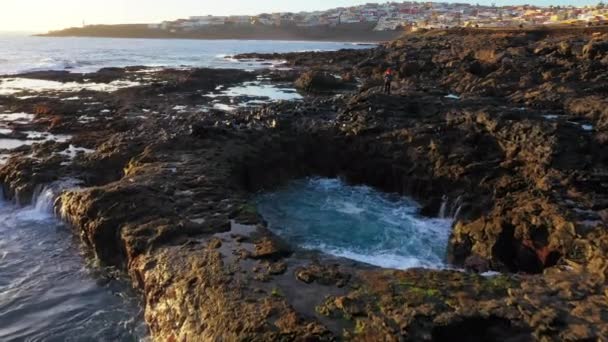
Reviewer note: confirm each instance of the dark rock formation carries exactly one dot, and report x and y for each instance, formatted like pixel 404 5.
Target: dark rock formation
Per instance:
pixel 317 81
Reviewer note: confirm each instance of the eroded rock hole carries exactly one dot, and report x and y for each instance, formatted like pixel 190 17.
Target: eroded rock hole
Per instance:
pixel 529 255
pixel 355 222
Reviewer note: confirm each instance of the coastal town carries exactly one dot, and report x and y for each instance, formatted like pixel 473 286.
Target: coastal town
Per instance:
pixel 406 16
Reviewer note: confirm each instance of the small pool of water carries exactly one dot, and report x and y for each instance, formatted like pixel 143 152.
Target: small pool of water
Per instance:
pixel 47 291
pixel 258 89
pixel 258 93
pixel 356 222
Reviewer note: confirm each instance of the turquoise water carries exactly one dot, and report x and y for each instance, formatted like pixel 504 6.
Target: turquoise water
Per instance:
pixel 356 222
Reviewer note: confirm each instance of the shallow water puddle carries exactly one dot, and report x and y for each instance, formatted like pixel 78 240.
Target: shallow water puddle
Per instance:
pixel 258 92
pixel 356 222
pixel 257 89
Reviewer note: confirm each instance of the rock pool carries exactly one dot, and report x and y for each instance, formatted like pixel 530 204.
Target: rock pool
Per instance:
pixel 356 222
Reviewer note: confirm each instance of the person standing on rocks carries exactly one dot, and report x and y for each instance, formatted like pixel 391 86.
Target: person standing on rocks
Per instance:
pixel 388 80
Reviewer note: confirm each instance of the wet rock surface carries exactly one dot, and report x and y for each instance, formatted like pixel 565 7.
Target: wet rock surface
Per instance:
pixel 507 128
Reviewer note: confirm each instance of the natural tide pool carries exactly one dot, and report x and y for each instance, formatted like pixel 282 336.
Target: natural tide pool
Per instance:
pixel 355 222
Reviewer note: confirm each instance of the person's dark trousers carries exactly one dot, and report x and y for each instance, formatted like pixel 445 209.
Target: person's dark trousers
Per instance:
pixel 387 88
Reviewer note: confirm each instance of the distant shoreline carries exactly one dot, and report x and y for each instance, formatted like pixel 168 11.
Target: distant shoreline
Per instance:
pixel 361 33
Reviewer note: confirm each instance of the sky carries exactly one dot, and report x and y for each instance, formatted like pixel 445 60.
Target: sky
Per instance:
pixel 44 15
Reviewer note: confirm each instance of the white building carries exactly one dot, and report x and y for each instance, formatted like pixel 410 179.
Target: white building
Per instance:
pixel 349 18
pixel 239 20
pixel 199 21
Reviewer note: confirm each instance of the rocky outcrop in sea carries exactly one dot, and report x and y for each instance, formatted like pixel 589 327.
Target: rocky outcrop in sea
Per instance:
pixel 504 130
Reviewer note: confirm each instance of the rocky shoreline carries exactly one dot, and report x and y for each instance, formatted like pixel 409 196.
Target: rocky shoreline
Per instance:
pixel 510 127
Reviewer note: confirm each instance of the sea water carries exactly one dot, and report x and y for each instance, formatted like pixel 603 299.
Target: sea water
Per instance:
pixel 356 222
pixel 23 53
pixel 47 291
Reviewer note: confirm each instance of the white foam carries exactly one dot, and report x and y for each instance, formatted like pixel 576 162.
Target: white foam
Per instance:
pixel 224 107
pixel 17 117
pixel 47 136
pixel 3 160
pixel 12 86
pixel 148 71
pixel 382 259
pixel 452 96
pixel 72 151
pixel 44 197
pixel 86 119
pixel 349 208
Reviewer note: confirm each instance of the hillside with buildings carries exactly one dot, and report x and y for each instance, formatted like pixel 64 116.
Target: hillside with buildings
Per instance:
pixel 368 22
pixel 395 15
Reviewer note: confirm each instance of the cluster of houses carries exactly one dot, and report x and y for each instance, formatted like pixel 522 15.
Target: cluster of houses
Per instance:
pixel 409 15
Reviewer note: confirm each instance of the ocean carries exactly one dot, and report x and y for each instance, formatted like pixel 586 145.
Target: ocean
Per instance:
pixel 23 53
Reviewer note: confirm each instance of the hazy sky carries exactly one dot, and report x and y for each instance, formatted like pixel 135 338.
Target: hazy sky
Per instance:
pixel 42 15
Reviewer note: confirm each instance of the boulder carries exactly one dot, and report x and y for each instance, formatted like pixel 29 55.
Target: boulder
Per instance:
pixel 595 49
pixel 317 81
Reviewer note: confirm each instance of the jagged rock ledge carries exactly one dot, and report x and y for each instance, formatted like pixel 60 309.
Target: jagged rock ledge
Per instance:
pixel 167 198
